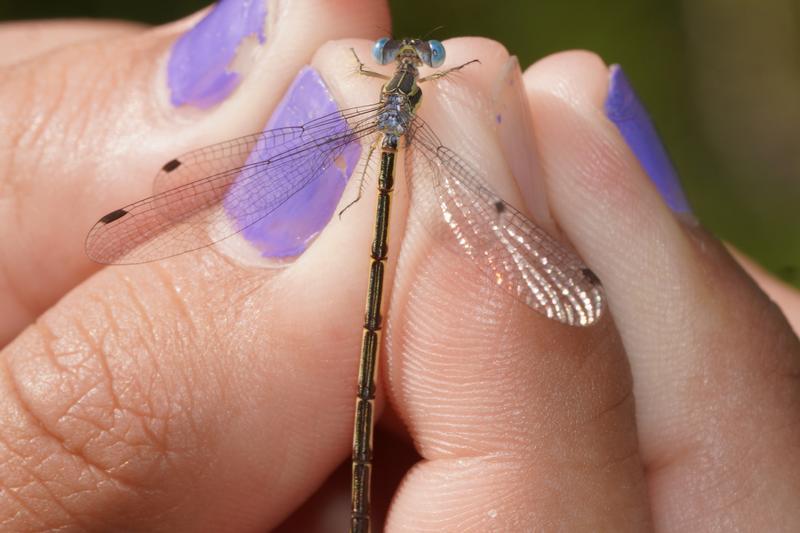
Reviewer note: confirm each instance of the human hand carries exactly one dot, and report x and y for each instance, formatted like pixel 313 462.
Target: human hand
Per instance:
pixel 199 393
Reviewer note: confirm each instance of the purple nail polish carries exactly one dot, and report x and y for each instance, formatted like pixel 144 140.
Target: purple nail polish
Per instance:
pixel 288 230
pixel 626 111
pixel 200 71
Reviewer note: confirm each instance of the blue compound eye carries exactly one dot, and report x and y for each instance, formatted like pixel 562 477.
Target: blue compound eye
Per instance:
pixel 437 53
pixel 378 49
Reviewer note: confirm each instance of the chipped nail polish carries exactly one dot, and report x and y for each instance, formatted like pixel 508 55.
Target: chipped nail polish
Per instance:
pixel 206 63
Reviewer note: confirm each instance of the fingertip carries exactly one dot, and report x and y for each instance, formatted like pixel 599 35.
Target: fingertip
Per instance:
pixel 578 76
pixel 488 51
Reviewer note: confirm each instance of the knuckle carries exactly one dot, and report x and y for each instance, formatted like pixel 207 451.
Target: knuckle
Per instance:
pixel 96 422
pixel 49 107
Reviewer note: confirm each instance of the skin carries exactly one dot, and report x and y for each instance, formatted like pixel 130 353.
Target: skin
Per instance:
pixel 174 396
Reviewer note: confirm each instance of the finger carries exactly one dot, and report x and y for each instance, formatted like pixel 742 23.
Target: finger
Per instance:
pixel 329 508
pixel 24 40
pixel 196 393
pixel 715 364
pixel 89 125
pixel 523 423
pixel 784 295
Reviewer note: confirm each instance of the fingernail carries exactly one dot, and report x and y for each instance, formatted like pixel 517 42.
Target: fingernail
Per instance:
pixel 626 111
pixel 515 131
pixel 288 230
pixel 206 63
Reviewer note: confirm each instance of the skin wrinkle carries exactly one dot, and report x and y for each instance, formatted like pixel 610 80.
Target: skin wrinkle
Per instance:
pixel 34 478
pixel 35 421
pixel 118 481
pixel 40 423
pixel 726 509
pixel 46 37
pixel 71 516
pixel 93 347
pixel 22 512
pixel 23 508
pixel 184 370
pixel 657 467
pixel 180 305
pixel 625 400
pixel 158 443
pixel 599 350
pixel 141 311
pixel 190 409
pixel 757 369
pixel 163 275
pixel 11 192
pixel 751 452
pixel 49 338
pixel 214 340
pixel 149 391
pixel 602 163
pixel 93 92
pixel 422 386
pixel 709 480
pixel 25 139
pixel 56 89
pixel 17 136
pixel 630 456
pixel 111 321
pixel 244 296
pixel 495 481
pixel 698 516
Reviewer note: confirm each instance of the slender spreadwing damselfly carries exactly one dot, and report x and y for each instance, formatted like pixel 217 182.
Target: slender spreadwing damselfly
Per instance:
pixel 191 209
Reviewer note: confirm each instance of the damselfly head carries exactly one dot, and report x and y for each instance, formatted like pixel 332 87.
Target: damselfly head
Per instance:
pixel 419 52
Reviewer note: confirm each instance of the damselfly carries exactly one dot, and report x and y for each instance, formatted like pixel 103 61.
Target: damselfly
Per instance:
pixel 261 172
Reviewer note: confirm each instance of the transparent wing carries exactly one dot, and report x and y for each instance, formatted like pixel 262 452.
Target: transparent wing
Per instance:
pixel 514 252
pixel 209 194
